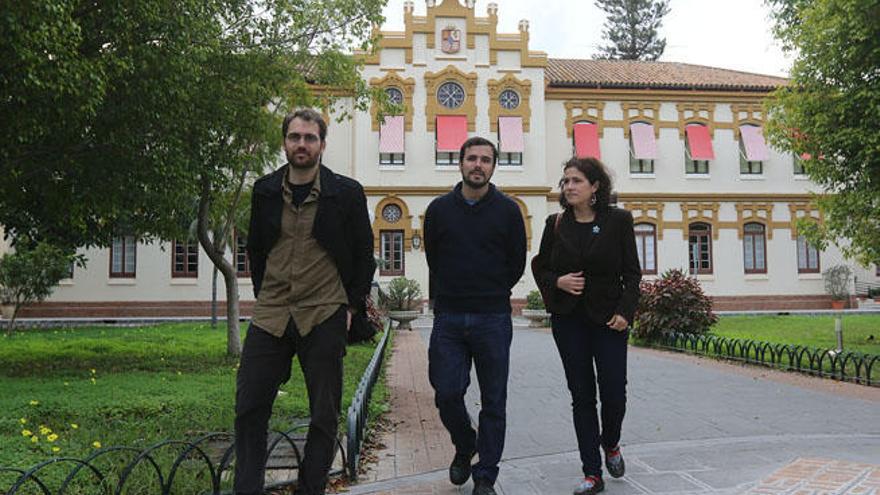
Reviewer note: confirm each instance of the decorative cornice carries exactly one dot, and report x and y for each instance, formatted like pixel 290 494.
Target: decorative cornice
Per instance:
pixel 577 111
pixel 468 82
pixel 406 86
pixel 522 87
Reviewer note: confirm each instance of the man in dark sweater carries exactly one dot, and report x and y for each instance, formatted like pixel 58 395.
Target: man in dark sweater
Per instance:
pixel 475 243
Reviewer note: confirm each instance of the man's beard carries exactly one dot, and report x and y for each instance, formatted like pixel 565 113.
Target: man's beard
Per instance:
pixel 309 163
pixel 475 185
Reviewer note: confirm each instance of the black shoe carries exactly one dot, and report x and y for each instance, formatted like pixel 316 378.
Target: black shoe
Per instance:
pixel 483 487
pixel 460 469
pixel 614 462
pixel 589 486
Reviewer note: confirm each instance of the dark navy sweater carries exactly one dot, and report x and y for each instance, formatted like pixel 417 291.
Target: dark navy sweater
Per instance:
pixel 476 253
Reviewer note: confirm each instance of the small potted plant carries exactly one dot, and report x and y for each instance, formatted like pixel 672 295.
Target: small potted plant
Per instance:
pixel 401 299
pixel 534 310
pixel 837 284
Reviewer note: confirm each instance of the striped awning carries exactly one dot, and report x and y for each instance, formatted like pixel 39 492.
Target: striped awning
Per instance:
pixel 643 142
pixel 510 135
pixel 391 135
pixel 753 143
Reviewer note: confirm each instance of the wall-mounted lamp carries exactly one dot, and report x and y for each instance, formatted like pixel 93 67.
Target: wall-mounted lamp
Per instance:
pixel 416 240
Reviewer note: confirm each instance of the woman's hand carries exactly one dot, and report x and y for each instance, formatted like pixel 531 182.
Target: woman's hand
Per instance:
pixel 573 283
pixel 618 323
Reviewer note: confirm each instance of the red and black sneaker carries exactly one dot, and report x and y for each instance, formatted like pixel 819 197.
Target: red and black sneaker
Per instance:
pixel 614 462
pixel 590 485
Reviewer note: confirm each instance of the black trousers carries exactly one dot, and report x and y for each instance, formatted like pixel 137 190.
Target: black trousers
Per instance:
pixel 581 343
pixel 265 365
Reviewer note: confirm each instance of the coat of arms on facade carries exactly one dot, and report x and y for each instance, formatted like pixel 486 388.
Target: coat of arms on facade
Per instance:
pixel 450 40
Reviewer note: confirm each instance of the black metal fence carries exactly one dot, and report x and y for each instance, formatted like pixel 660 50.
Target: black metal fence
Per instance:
pixel 359 411
pixel 204 465
pixel 844 365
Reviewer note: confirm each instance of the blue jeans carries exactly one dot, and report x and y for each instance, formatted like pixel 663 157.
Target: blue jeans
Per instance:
pixel 580 343
pixel 457 340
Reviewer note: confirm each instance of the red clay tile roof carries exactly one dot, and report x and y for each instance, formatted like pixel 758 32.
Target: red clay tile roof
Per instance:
pixel 637 74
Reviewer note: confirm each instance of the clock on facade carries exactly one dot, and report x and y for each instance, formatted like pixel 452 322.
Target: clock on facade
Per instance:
pixel 450 95
pixel 395 96
pixel 508 99
pixel 391 213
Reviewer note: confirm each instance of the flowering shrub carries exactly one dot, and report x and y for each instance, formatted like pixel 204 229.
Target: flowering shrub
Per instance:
pixel 674 302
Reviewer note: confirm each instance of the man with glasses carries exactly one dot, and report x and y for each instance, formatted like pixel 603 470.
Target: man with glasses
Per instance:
pixel 310 245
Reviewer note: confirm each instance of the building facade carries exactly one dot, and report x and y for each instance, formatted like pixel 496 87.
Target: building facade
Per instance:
pixel 684 144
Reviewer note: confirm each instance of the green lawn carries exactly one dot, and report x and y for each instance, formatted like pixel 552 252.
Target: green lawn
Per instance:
pixel 812 331
pixel 72 388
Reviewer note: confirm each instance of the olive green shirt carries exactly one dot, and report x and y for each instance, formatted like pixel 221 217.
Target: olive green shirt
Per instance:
pixel 301 279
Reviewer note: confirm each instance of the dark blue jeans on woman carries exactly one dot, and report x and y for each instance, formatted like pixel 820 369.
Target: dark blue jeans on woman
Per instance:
pixel 582 342
pixel 457 340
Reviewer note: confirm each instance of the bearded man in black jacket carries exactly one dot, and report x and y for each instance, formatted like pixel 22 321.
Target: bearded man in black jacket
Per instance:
pixel 475 243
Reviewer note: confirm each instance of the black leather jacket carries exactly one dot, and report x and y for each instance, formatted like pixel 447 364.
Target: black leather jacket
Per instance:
pixel 342 227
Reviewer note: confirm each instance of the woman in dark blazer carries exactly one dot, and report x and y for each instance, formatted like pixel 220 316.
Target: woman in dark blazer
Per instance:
pixel 588 271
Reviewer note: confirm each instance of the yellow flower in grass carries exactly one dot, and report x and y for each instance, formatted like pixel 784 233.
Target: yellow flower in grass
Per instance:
pixel 45 430
pixel 26 433
pixel 34 403
pixel 23 421
pixel 56 449
pixel 35 439
pixel 96 444
pixel 52 437
pixel 74 425
pixel 93 371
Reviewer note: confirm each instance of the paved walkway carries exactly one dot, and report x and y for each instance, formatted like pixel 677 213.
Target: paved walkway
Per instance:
pixel 693 426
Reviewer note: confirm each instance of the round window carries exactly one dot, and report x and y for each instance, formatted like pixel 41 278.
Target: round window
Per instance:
pixel 508 99
pixel 450 95
pixel 391 213
pixel 394 95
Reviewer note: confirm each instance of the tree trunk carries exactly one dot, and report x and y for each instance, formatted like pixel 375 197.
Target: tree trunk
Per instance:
pixel 214 298
pixel 233 336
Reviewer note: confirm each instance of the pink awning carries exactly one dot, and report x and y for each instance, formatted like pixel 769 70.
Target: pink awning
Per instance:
pixel 699 142
pixel 586 140
pixel 754 144
pixel 510 134
pixel 451 132
pixel 391 135
pixel 644 145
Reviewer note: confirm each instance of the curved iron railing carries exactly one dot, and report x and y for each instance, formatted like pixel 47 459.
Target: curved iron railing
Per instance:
pixel 359 411
pixel 209 458
pixel 846 365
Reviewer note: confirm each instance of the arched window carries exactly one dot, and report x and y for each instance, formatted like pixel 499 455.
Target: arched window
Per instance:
pixel 754 248
pixel 646 244
pixel 700 248
pixel 807 256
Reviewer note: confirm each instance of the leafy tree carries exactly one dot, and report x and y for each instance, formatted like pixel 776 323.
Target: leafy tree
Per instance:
pixel 829 112
pixel 29 274
pixel 673 303
pixel 118 117
pixel 630 31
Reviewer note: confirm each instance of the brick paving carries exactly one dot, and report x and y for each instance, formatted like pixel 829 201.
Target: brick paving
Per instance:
pixel 693 426
pixel 416 442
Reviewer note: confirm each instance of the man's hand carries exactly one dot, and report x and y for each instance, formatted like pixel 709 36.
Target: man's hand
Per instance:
pixel 573 283
pixel 618 323
pixel 348 320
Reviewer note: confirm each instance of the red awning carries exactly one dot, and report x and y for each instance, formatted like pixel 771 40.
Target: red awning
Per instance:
pixel 391 135
pixel 586 140
pixel 699 142
pixel 510 134
pixel 451 132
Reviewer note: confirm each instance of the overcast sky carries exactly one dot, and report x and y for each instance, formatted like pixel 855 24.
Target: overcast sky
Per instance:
pixel 733 34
